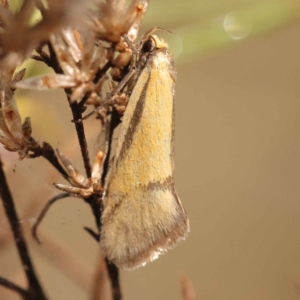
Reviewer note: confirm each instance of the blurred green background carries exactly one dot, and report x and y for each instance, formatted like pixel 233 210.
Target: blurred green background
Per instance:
pixel 237 160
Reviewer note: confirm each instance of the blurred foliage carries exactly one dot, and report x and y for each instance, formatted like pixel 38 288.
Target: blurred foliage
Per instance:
pixel 208 27
pixel 203 28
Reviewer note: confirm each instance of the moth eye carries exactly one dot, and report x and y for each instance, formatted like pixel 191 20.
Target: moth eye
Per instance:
pixel 148 46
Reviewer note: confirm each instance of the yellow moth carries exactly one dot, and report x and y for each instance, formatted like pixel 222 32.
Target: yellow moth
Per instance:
pixel 143 216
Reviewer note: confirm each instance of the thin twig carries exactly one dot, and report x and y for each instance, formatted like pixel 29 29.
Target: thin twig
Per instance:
pixel 114 122
pixel 101 289
pixel 11 286
pixel 92 233
pixel 113 273
pixel 77 118
pixel 48 152
pixel 43 56
pixel 94 201
pixel 35 290
pixel 77 115
pixel 37 58
pixel 43 213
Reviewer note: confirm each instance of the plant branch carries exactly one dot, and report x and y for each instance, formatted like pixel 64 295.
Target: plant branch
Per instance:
pixel 48 153
pixel 43 213
pixel 114 122
pixel 77 119
pixel 76 113
pixel 11 286
pixel 113 273
pixel 77 109
pixel 35 291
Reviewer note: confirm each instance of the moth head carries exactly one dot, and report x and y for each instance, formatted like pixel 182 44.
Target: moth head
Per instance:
pixel 155 50
pixel 152 42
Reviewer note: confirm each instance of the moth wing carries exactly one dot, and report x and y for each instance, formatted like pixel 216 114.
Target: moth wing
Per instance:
pixel 143 216
pixel 131 240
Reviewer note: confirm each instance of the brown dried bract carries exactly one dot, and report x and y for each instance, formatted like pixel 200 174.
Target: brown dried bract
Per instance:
pixel 79 60
pixel 82 186
pixel 118 18
pixel 20 37
pixel 14 135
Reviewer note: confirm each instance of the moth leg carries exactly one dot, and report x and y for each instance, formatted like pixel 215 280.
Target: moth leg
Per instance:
pixel 122 84
pixel 95 235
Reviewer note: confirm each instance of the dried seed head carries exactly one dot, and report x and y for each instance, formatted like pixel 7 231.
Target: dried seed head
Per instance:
pixel 118 18
pixel 20 38
pixel 14 135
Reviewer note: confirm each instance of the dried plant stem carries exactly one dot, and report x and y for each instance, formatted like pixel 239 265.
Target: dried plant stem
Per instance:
pixel 76 113
pixel 11 286
pixel 101 288
pixel 77 119
pixel 48 153
pixel 114 122
pixel 35 291
pixel 113 273
pixel 43 213
pixel 77 109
